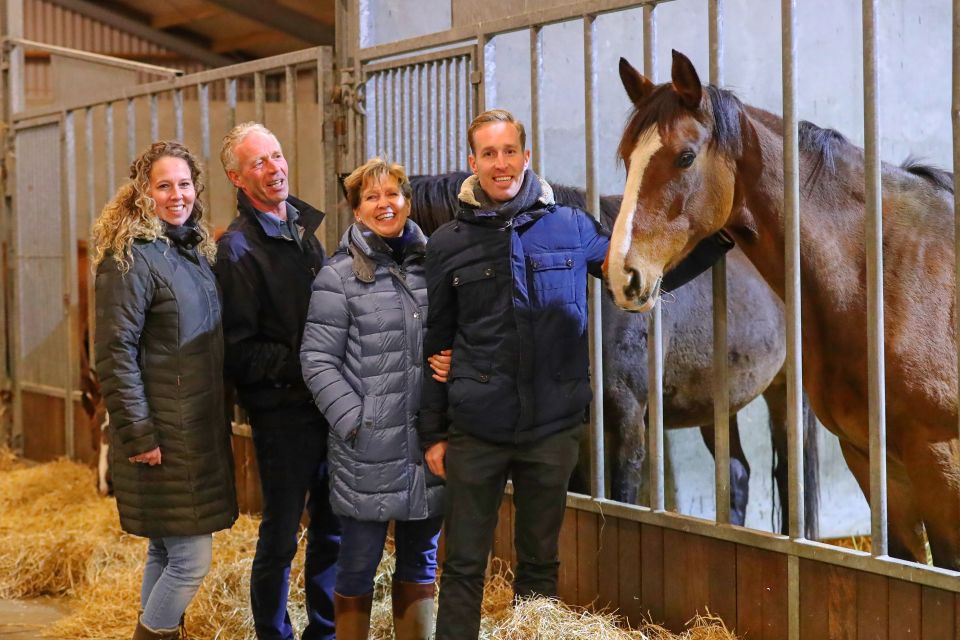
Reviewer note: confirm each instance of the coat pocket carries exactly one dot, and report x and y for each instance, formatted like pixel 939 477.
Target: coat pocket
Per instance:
pixel 476 288
pixel 554 277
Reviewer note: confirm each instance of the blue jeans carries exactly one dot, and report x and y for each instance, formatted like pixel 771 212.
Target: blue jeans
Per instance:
pixel 362 547
pixel 291 446
pixel 175 568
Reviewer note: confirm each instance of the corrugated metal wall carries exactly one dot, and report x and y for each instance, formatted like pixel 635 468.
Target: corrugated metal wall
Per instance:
pixel 51 24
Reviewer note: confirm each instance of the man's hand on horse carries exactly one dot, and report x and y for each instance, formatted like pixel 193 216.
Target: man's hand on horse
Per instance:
pixel 151 457
pixel 440 363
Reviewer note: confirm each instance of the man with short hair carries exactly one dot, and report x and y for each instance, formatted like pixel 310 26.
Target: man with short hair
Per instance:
pixel 266 263
pixel 507 286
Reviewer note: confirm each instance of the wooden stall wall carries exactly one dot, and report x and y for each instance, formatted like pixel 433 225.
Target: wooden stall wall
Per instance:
pixel 648 572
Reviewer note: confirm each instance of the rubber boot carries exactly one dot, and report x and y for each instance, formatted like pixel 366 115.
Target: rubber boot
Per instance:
pixel 413 610
pixel 352 616
pixel 146 633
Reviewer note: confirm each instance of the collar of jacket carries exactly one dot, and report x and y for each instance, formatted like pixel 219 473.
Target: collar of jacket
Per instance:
pixel 310 217
pixel 470 210
pixel 367 248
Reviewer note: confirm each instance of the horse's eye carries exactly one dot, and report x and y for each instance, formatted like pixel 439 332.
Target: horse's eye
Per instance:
pixel 685 159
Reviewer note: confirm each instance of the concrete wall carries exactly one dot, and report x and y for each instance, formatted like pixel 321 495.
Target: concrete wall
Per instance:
pixel 914 115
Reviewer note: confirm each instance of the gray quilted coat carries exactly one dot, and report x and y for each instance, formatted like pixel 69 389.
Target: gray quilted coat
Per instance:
pixel 159 350
pixel 362 359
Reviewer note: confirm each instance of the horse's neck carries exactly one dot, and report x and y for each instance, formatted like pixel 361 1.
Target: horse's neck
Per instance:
pixel 825 223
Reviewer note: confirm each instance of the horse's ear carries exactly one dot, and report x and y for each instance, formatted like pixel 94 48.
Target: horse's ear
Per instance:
pixel 637 86
pixel 686 82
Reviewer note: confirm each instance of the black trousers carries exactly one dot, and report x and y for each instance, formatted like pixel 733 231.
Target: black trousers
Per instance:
pixel 477 473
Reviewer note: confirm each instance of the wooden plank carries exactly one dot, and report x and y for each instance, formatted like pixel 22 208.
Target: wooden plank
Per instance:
pixel 828 602
pixel 502 533
pixel 567 584
pixel 651 580
pixel 239 472
pixel 905 599
pixel 588 587
pixel 630 570
pixel 608 564
pixel 938 619
pixel 43 422
pixel 761 592
pixel 872 607
pixel 252 473
pixel 701 577
pixel 86 436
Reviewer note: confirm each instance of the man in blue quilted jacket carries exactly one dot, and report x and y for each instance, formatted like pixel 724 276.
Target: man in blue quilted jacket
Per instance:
pixel 507 289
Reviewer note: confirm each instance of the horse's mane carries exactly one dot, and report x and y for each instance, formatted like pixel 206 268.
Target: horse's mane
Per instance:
pixel 934 175
pixel 435 200
pixel 660 108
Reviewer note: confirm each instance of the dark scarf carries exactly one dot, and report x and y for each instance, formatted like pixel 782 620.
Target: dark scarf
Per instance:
pixel 526 198
pixel 186 236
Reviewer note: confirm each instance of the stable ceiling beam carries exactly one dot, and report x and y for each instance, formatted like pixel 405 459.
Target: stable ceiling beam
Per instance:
pixel 276 16
pixel 180 17
pixel 134 27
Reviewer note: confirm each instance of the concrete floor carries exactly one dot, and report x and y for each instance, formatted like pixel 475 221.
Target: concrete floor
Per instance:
pixel 26 619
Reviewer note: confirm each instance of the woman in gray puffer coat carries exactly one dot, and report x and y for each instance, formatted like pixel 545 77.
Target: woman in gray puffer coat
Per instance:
pixel 362 358
pixel 159 350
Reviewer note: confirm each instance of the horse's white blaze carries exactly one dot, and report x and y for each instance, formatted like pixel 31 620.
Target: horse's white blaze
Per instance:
pixel 647 144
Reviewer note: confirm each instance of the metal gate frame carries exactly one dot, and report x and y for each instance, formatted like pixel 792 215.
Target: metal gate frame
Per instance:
pixel 353 57
pixel 69 115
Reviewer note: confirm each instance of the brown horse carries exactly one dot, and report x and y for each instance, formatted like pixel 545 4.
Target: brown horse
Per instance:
pixel 699 161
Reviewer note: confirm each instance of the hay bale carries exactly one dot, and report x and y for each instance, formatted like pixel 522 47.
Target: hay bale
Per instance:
pixel 59 537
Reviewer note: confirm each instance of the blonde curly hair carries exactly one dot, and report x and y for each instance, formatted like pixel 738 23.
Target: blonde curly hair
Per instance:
pixel 130 214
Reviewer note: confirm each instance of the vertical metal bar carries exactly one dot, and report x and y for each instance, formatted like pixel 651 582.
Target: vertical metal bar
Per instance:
pixel 592 133
pixel 91 216
pixel 203 95
pixel 131 131
pixel 459 107
pixel 874 241
pixel 419 127
pixel 392 111
pixel 436 149
pixel 449 131
pixel 955 116
pixel 403 74
pixel 334 225
pixel 178 114
pixel 478 84
pixel 655 326
pixel 230 89
pixel 794 363
pixel 293 132
pixel 14 28
pixel 721 398
pixel 154 118
pixel 111 159
pixel 377 82
pixel 70 286
pixel 536 94
pixel 259 97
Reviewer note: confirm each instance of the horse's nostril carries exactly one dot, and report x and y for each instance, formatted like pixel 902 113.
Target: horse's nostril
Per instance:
pixel 632 288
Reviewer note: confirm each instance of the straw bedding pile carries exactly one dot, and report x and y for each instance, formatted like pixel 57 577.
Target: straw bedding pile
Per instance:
pixel 59 538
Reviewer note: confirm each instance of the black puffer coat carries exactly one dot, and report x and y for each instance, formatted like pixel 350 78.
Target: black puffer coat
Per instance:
pixel 159 349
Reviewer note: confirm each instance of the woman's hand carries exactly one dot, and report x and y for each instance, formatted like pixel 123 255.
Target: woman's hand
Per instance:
pixel 435 457
pixel 151 457
pixel 440 363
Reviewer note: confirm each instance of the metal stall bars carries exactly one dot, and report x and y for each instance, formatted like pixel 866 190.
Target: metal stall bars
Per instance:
pixel 419 108
pixel 45 250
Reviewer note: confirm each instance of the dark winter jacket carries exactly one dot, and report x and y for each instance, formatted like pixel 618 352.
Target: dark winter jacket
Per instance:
pixel 159 351
pixel 510 297
pixel 266 291
pixel 362 358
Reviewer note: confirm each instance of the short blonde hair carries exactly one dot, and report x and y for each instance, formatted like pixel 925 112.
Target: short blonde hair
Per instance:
pixel 496 115
pixel 375 169
pixel 234 137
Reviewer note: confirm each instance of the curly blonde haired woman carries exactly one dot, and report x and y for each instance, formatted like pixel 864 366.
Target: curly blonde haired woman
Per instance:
pixel 159 350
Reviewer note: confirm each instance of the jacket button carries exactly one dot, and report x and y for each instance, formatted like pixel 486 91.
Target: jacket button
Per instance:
pixel 536 265
pixel 484 377
pixel 416 314
pixel 569 262
pixel 488 272
pixel 456 281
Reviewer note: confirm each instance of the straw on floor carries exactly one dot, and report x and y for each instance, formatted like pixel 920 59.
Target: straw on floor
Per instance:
pixel 59 538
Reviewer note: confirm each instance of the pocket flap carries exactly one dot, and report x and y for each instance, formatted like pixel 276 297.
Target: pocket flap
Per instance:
pixel 463 369
pixel 473 273
pixel 546 261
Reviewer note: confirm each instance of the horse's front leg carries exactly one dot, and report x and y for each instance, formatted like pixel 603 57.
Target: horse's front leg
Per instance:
pixel 933 470
pixel 623 417
pixel 739 470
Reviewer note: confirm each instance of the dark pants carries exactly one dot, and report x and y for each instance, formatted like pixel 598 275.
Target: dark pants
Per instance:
pixel 291 445
pixel 477 473
pixel 362 548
